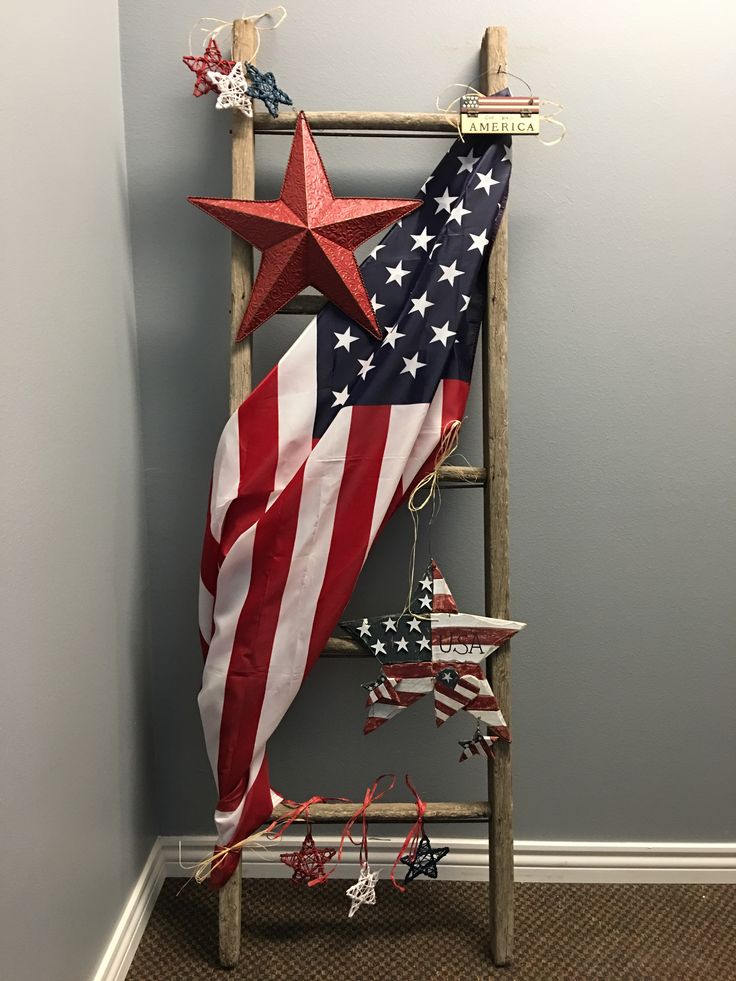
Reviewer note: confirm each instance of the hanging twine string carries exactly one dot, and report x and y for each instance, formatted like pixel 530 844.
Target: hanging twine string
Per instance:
pixel 372 796
pixel 212 27
pixel 415 833
pixel 426 492
pixel 549 117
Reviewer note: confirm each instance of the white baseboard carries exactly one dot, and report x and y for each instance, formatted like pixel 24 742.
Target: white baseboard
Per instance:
pixel 133 920
pixel 534 861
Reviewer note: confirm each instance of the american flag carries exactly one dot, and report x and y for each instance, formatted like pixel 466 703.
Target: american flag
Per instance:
pixel 432 647
pixel 315 460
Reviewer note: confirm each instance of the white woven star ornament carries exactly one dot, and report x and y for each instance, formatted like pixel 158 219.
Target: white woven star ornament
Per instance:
pixel 364 890
pixel 233 89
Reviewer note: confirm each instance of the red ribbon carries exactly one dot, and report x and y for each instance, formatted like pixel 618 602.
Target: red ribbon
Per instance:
pixel 284 822
pixel 412 839
pixel 372 796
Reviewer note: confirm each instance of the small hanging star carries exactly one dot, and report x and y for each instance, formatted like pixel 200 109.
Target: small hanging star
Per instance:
pixel 309 862
pixel 210 61
pixel 425 859
pixel 364 890
pixel 264 88
pixel 233 90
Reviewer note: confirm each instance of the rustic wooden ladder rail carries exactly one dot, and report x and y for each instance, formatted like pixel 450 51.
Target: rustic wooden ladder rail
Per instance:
pixel 493 477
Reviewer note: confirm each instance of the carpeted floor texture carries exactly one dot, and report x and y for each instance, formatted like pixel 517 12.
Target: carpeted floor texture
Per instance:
pixel 574 932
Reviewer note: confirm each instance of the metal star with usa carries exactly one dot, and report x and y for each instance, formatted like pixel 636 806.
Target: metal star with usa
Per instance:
pixel 433 648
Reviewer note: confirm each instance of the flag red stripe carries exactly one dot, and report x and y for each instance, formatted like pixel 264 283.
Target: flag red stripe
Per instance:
pixel 248 671
pixel 258 431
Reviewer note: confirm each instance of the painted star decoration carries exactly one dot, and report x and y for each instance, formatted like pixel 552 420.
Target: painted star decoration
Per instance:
pixel 433 648
pixel 363 893
pixel 263 86
pixel 479 745
pixel 201 65
pixel 424 860
pixel 309 862
pixel 233 90
pixel 307 237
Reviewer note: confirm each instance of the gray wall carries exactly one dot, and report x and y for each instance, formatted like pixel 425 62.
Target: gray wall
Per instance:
pixel 76 818
pixel 622 359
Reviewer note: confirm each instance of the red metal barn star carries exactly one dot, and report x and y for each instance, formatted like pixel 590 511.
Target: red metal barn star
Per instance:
pixel 307 237
pixel 309 862
pixel 210 61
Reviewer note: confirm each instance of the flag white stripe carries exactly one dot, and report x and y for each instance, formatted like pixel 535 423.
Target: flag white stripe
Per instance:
pixel 232 590
pixel 427 439
pixel 225 475
pixel 422 685
pixel 297 402
pixel 404 426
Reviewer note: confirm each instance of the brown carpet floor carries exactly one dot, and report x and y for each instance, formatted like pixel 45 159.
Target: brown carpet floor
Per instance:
pixel 575 932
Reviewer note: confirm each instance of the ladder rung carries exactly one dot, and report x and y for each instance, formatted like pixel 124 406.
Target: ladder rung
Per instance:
pixel 364 123
pixel 343 647
pixel 339 813
pixel 305 303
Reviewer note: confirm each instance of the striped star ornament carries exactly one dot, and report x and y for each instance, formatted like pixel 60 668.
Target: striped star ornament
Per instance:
pixel 433 647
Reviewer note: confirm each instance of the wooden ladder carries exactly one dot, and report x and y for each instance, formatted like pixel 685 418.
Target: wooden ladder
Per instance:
pixel 493 477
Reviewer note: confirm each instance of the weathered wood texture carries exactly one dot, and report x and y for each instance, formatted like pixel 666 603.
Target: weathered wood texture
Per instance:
pixel 380 123
pixel 244 186
pixel 496 517
pixel 241 278
pixel 230 903
pixel 339 813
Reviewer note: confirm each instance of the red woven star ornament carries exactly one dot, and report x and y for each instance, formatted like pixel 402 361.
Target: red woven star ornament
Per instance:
pixel 210 61
pixel 309 862
pixel 307 237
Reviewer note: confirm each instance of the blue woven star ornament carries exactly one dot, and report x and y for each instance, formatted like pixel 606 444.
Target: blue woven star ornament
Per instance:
pixel 425 859
pixel 263 86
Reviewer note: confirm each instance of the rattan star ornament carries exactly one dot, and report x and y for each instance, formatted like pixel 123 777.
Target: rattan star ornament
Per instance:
pixel 263 86
pixel 363 893
pixel 201 65
pixel 233 89
pixel 424 860
pixel 309 862
pixel 307 237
